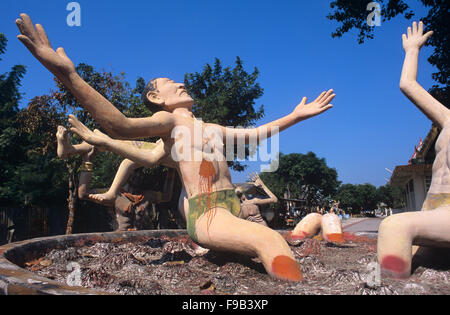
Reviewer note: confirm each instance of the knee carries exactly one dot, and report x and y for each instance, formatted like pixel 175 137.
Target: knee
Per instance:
pixel 393 223
pixel 83 193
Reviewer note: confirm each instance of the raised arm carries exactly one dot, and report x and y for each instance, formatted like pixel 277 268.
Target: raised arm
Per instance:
pixel 105 113
pixel 147 158
pixel 432 108
pixel 259 183
pixel 302 112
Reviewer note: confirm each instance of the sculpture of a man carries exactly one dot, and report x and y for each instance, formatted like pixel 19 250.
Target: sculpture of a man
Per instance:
pixel 431 226
pixel 213 205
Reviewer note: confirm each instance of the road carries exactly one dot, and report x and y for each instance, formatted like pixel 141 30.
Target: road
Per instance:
pixel 365 225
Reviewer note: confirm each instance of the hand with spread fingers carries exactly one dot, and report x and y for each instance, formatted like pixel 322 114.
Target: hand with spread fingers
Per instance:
pixel 35 39
pixel 318 106
pixel 415 38
pixel 96 137
pixel 254 177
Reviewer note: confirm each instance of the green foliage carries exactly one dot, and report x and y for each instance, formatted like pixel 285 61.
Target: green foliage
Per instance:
pixel 352 14
pixel 392 196
pixel 226 96
pixel 367 196
pixel 357 197
pixel 307 177
pixel 11 151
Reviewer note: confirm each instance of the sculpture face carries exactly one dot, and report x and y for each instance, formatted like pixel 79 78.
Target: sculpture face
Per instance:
pixel 171 95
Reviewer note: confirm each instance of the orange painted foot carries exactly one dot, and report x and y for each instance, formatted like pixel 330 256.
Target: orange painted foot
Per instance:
pixel 286 268
pixel 335 238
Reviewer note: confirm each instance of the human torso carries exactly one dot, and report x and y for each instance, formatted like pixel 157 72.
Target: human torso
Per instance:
pixel 203 167
pixel 248 209
pixel 440 182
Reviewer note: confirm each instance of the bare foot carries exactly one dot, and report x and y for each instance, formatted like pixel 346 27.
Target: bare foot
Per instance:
pixel 107 197
pixel 63 143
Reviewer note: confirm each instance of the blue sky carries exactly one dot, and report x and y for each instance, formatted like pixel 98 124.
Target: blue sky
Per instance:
pixel 371 127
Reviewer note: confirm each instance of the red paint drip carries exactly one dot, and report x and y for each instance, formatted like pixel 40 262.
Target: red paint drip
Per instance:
pixel 286 268
pixel 207 174
pixel 394 264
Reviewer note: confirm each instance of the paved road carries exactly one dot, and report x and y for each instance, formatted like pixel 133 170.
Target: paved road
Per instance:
pixel 366 225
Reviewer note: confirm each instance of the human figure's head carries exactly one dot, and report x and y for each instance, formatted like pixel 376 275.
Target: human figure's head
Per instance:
pixel 240 193
pixel 164 94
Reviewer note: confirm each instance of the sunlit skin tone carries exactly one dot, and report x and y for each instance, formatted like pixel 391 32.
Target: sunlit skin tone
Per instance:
pixel 313 223
pixel 225 232
pixel 431 226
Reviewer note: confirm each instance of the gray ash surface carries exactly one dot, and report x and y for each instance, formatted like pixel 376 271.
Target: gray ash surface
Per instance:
pixel 171 266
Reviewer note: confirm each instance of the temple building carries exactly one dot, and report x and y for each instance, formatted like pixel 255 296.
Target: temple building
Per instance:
pixel 415 178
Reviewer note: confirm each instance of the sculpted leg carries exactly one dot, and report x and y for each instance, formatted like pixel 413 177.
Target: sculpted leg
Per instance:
pixel 123 213
pixel 122 175
pixel 398 233
pixel 332 228
pixel 307 227
pixel 229 233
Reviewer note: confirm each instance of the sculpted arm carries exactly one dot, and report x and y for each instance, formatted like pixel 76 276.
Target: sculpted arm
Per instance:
pixel 302 112
pixel 272 198
pixel 432 108
pixel 147 158
pixel 105 113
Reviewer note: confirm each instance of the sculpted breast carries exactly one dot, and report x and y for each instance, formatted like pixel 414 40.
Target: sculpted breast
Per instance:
pixel 249 209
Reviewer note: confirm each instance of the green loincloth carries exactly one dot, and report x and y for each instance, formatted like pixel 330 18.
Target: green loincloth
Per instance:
pixel 201 204
pixel 434 201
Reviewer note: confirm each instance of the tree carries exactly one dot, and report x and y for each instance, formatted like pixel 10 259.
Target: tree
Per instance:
pixel 352 14
pixel 226 97
pixel 392 196
pixel 11 150
pixel 367 196
pixel 306 175
pixel 357 197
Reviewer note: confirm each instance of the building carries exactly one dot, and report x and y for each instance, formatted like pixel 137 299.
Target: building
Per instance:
pixel 415 178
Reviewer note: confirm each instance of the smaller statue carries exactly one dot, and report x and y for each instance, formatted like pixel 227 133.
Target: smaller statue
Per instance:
pixel 131 204
pixel 250 207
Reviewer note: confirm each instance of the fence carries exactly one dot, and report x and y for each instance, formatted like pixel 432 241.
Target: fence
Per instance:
pixel 18 224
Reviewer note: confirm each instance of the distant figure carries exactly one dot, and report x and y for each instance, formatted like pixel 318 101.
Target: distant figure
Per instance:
pixel 250 207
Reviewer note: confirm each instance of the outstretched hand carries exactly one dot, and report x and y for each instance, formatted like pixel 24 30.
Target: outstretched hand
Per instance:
pixel 415 38
pixel 254 177
pixel 96 137
pixel 36 40
pixel 320 105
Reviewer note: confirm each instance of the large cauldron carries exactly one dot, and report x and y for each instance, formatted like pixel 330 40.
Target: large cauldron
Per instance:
pixel 14 279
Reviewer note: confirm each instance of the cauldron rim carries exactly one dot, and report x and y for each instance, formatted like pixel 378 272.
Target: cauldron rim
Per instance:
pixel 14 279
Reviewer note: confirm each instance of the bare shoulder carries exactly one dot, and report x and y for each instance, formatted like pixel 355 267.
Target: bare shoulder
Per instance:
pixel 163 115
